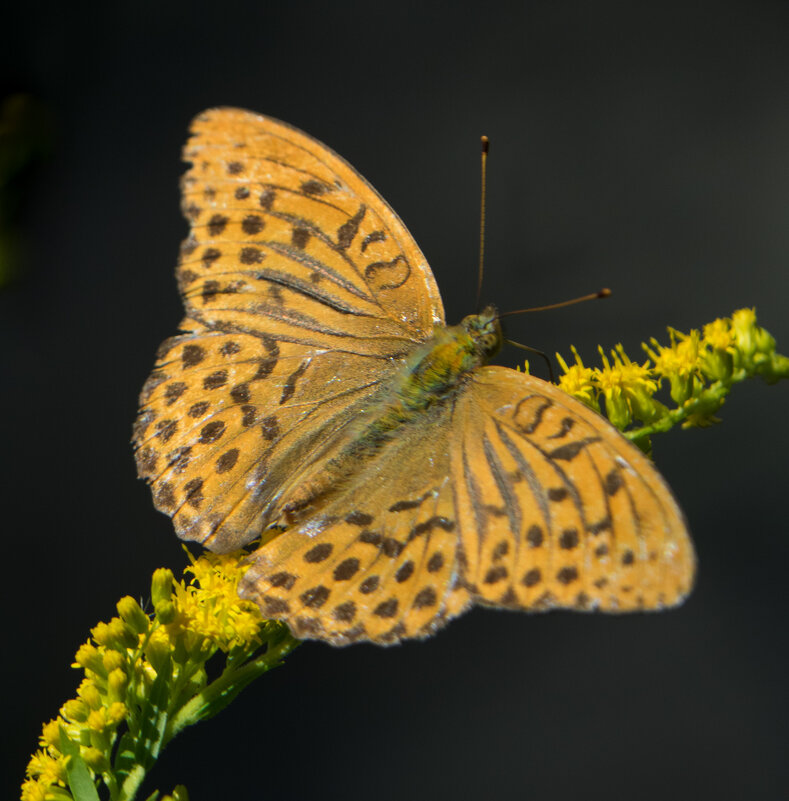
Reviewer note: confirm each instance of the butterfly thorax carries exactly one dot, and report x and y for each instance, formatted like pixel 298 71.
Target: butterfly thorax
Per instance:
pixel 435 370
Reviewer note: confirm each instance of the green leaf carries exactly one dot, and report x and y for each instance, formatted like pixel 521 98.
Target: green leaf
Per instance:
pixel 78 775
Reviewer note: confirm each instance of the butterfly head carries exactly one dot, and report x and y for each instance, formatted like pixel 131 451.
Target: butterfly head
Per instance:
pixel 485 330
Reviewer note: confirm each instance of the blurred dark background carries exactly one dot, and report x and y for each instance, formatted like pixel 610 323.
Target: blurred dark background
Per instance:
pixel 641 146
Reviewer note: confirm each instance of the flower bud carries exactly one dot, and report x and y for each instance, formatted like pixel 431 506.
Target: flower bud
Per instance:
pixel 157 652
pixel 133 615
pixel 116 685
pixel 617 410
pixel 89 657
pixel 75 709
pixel 95 759
pixel 165 612
pixel 90 694
pixel 161 585
pixel 113 660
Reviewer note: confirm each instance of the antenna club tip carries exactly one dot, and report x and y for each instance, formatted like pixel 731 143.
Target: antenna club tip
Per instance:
pixel 485 143
pixel 605 292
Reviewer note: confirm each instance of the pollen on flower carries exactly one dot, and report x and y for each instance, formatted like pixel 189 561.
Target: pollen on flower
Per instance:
pixel 50 732
pixel 681 358
pixel 47 769
pixel 578 380
pixel 210 605
pixel 718 334
pixel 34 790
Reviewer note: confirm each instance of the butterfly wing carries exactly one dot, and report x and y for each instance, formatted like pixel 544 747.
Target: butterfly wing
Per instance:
pixel 303 292
pixel 556 508
pixel 380 562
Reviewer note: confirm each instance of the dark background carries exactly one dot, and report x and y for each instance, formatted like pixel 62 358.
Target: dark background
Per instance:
pixel 641 146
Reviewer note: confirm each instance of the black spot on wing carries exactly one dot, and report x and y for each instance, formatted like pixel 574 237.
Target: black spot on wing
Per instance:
pixel 510 499
pixel 375 236
pixel 572 449
pixel 290 384
pixel 392 274
pixel 348 230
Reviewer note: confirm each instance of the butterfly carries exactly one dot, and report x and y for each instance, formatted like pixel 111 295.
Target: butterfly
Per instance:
pixel 315 399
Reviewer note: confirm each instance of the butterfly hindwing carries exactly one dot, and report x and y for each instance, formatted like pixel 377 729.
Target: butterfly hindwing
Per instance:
pixel 379 563
pixel 557 509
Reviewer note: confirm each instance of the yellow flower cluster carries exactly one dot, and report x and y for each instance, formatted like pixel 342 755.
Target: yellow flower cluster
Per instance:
pixel 700 368
pixel 147 673
pixel 209 606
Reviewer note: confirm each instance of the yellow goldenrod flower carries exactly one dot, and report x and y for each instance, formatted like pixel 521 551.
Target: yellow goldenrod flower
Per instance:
pixel 627 388
pixel 134 661
pixel 578 380
pixel 718 334
pixel 679 362
pixel 743 324
pixel 700 371
pixel 33 790
pixel 46 768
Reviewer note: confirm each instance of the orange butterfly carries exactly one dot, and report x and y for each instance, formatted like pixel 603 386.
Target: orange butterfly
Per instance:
pixel 316 397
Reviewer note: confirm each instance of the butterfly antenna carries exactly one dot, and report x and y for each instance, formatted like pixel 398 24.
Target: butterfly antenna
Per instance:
pixel 601 293
pixel 485 147
pixel 534 350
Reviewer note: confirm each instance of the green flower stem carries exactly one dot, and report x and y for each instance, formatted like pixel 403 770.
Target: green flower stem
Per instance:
pixel 709 399
pixel 224 689
pixel 213 698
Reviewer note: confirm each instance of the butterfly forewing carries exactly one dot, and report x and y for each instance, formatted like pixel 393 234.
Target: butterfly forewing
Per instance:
pixel 303 292
pixel 218 438
pixel 288 240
